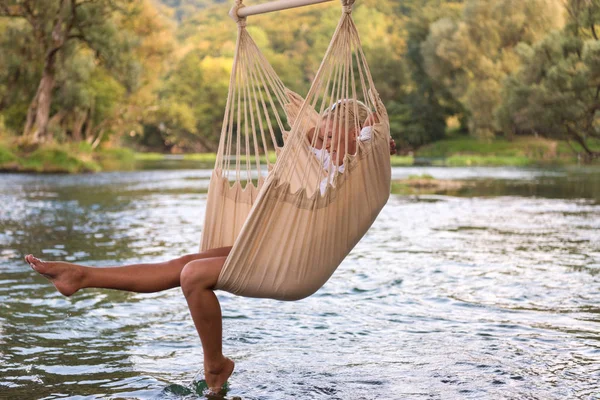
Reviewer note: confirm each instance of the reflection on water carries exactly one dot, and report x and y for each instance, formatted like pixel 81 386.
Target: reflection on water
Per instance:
pixel 489 293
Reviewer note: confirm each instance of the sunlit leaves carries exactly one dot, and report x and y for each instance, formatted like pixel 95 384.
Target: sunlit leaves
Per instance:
pixel 473 54
pixel 556 93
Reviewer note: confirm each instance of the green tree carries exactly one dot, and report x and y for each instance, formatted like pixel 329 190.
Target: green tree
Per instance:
pixel 19 71
pixel 419 116
pixel 193 96
pixel 556 92
pixel 60 27
pixel 95 76
pixel 192 102
pixel 472 55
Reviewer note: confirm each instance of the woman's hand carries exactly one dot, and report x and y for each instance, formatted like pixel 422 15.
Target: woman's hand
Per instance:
pixel 392 146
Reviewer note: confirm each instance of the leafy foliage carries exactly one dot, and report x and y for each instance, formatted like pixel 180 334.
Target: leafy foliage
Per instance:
pixel 155 75
pixel 75 68
pixel 556 92
pixel 471 55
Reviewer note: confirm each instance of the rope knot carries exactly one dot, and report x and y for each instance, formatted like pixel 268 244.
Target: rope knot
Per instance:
pixel 233 13
pixel 347 6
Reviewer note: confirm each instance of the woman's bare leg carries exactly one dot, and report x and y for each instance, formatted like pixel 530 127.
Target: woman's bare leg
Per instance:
pixel 142 278
pixel 198 279
pixel 197 274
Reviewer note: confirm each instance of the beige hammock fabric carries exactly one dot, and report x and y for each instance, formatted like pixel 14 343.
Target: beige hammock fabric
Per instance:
pixel 287 236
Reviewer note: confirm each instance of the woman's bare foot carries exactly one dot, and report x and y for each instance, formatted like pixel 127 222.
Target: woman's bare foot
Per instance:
pixel 216 377
pixel 67 278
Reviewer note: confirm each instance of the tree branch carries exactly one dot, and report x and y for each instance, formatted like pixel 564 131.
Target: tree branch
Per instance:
pixel 19 11
pixel 57 19
pixel 72 20
pixel 116 7
pixel 83 3
pixel 572 147
pixel 82 38
pixel 582 143
pixel 53 51
pixel 29 10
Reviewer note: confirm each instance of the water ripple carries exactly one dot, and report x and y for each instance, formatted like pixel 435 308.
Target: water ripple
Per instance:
pixel 490 296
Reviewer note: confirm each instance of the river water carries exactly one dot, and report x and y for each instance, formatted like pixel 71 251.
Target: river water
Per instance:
pixel 489 292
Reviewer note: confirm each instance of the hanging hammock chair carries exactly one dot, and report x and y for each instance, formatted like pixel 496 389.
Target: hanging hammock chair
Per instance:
pixel 292 223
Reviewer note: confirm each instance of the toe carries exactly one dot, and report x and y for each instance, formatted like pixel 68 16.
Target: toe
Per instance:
pixel 35 263
pixel 29 259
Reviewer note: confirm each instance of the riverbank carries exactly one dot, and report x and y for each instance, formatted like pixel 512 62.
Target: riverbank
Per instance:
pixel 520 152
pixel 210 158
pixel 64 158
pixel 456 152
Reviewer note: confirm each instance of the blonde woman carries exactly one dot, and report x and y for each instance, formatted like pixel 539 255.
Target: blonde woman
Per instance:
pixel 330 144
pixel 196 274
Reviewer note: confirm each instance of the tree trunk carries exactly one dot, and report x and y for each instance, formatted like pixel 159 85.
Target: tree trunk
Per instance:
pixel 40 105
pixel 590 154
pixel 98 140
pixel 30 114
pixel 57 119
pixel 89 133
pixel 79 120
pixel 43 102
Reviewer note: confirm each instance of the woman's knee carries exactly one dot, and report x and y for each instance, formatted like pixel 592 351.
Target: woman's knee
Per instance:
pixel 212 253
pixel 199 275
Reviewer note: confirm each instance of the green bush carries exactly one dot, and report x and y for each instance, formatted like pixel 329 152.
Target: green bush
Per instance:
pixel 420 177
pixel 399 161
pixel 521 151
pixel 6 156
pixel 480 161
pixel 56 159
pixel 469 145
pixel 118 153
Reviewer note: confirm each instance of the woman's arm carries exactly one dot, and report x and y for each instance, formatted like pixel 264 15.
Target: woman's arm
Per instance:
pixel 371 120
pixel 317 142
pixel 374 119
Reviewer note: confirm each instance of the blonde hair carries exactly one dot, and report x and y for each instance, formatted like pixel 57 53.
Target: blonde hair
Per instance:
pixel 356 110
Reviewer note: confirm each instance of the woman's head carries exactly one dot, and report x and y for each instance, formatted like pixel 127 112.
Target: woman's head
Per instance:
pixel 341 123
pixel 356 112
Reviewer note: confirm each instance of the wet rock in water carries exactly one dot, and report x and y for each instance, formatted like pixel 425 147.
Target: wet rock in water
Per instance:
pixel 435 184
pixel 426 184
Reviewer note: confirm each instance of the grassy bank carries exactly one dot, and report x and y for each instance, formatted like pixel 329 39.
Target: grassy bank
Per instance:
pixel 210 158
pixel 80 157
pixel 521 151
pixel 62 158
pixel 462 151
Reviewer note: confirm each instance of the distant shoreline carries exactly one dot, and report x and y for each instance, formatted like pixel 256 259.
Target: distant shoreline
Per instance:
pixel 457 152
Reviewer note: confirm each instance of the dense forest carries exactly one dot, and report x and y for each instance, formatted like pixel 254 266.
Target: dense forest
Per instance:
pixel 154 75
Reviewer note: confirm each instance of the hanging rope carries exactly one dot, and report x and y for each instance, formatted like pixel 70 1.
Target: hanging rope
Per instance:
pixel 291 229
